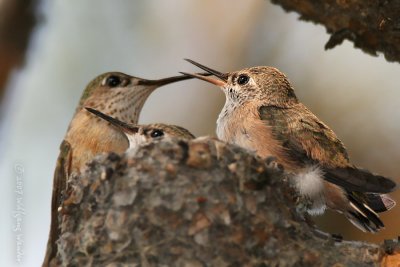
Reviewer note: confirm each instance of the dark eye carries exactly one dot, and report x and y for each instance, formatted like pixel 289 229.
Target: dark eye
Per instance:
pixel 243 79
pixel 156 133
pixel 113 81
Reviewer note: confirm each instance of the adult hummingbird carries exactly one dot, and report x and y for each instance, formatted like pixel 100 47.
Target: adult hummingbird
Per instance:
pixel 140 134
pixel 263 114
pixel 117 94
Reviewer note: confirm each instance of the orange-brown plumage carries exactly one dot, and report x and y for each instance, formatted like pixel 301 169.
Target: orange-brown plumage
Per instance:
pixel 263 114
pixel 117 94
pixel 245 128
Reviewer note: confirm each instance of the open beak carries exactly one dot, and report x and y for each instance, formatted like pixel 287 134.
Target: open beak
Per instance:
pixel 223 77
pixel 205 78
pixel 125 127
pixel 165 81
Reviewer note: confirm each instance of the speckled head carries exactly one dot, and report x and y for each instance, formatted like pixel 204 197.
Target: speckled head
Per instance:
pixel 266 84
pixel 121 95
pixel 161 130
pixel 156 131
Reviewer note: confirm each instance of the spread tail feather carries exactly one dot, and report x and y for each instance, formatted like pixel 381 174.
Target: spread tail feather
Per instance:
pixel 363 216
pixel 379 203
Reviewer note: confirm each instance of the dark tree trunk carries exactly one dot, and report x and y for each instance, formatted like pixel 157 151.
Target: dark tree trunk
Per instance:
pixel 372 25
pixel 17 19
pixel 196 203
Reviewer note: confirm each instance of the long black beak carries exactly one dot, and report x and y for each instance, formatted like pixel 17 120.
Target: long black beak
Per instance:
pixel 168 80
pixel 125 127
pixel 222 76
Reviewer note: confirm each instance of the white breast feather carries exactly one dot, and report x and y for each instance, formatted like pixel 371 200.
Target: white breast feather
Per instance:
pixel 223 120
pixel 310 183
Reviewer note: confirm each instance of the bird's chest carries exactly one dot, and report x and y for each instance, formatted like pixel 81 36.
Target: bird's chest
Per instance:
pixel 242 126
pixel 233 128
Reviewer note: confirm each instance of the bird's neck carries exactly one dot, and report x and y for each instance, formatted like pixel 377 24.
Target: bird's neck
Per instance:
pixel 90 136
pixel 124 106
pixel 135 140
pixel 232 116
pixel 228 113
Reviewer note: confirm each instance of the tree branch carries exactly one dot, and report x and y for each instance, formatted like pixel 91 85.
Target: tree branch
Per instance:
pixel 195 203
pixel 373 26
pixel 17 19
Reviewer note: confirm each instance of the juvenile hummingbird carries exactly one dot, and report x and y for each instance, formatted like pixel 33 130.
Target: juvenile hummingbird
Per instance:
pixel 117 94
pixel 140 134
pixel 263 114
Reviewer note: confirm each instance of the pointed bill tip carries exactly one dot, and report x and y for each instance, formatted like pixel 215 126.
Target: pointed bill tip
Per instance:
pixel 164 81
pixel 187 74
pixel 190 61
pixel 125 127
pixel 94 111
pixel 205 78
pixel 222 76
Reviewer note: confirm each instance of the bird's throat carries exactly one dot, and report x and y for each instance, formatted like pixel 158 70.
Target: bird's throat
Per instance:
pixel 90 136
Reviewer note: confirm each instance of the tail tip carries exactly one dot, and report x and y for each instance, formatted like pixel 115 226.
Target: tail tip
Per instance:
pixel 388 202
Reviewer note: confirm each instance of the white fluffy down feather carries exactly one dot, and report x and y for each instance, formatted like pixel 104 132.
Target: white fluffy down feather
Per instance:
pixel 310 183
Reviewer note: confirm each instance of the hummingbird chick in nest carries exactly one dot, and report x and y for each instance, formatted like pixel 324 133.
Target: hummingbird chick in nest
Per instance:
pixel 263 114
pixel 141 134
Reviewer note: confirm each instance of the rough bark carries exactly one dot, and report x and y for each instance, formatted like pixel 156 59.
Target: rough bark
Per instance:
pixel 372 25
pixel 196 203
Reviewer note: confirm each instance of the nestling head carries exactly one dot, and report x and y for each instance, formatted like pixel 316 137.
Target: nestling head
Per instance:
pixel 139 134
pixel 266 84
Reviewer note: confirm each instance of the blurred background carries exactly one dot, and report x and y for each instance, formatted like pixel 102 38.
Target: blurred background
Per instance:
pixel 71 42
